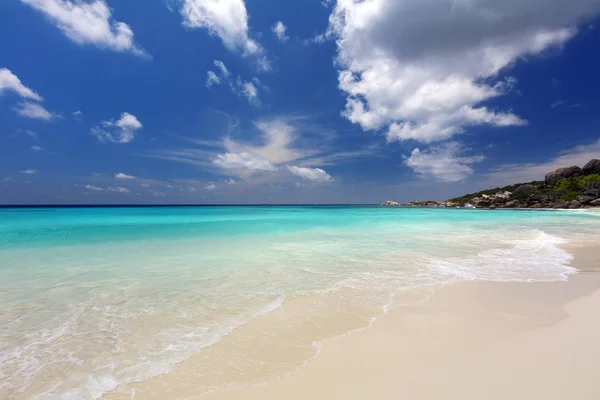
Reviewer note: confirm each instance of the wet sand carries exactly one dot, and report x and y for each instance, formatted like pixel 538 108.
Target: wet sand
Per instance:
pixel 471 340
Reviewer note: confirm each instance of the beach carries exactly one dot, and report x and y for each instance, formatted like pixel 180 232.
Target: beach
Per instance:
pixel 471 340
pixel 299 303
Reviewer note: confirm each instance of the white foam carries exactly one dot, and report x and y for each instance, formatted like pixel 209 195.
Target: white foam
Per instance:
pixel 536 259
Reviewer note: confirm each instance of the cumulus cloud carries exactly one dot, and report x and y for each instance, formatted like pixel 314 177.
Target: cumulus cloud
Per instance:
pixel 32 110
pixel 424 69
pixel 237 85
pixel 88 23
pixel 29 171
pixel 311 174
pixel 78 115
pixel 121 175
pixel 121 131
pixel 210 186
pixel 279 30
pixel 444 162
pixel 37 148
pixel 9 81
pixel 243 160
pixel 226 19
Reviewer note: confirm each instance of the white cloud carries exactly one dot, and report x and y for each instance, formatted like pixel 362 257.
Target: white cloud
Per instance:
pixel 31 110
pixel 311 174
pixel 27 132
pixel 94 188
pixel 121 175
pixel 249 91
pixel 227 19
pixel 211 186
pixel 121 131
pixel 279 30
pixel 78 115
pixel 118 189
pixel 443 162
pixel 221 65
pixel 262 157
pixel 243 160
pixel 29 171
pixel 237 85
pixel 37 148
pixel 87 22
pixel 9 81
pixel 212 79
pixel 230 181
pixel 424 69
pixel 508 174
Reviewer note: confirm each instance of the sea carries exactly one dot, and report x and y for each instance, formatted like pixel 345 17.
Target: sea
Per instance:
pixel 111 302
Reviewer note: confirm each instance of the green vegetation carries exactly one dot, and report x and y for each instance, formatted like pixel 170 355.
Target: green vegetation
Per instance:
pixel 570 196
pixel 575 184
pixel 568 189
pixel 467 197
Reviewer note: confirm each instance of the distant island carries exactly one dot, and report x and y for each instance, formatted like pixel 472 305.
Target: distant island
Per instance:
pixel 571 187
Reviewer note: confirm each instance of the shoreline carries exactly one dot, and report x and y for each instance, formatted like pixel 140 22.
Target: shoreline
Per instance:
pixel 314 364
pixel 374 367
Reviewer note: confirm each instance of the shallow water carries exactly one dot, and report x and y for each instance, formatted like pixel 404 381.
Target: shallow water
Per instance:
pixel 98 300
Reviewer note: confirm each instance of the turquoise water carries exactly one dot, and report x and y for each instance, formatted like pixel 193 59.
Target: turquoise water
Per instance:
pixel 94 299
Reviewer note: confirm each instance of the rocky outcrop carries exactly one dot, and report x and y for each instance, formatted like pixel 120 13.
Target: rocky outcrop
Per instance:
pixel 524 190
pixel 449 204
pixel 390 204
pixel 592 167
pixel 585 199
pixel 570 187
pixel 553 178
pixel 592 189
pixel 427 203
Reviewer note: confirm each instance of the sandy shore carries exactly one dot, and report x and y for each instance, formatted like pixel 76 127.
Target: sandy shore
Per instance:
pixel 471 340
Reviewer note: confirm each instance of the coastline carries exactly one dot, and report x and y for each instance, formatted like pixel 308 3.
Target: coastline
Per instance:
pixel 241 328
pixel 429 343
pixel 471 340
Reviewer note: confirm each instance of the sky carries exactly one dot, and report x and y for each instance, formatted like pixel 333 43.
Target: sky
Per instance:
pixel 291 101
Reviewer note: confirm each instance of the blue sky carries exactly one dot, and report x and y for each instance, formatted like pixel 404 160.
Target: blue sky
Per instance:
pixel 339 101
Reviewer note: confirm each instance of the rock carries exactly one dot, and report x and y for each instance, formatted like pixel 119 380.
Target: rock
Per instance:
pixel 390 204
pixel 592 189
pixel 592 167
pixel 561 204
pixel 427 203
pixel 585 199
pixel 483 201
pixel 513 204
pixel 449 204
pixel 595 203
pixel 542 197
pixel 524 190
pixel 536 205
pixel 592 185
pixel 553 177
pixel 574 204
pixel 493 207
